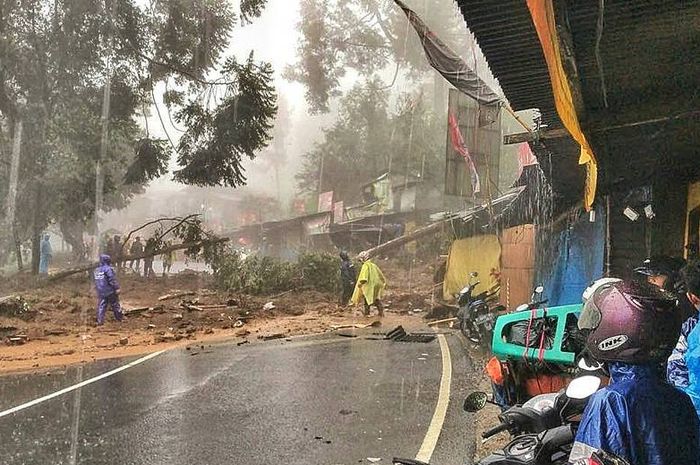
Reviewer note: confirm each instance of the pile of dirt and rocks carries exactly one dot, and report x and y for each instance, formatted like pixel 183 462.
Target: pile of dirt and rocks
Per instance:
pixel 47 324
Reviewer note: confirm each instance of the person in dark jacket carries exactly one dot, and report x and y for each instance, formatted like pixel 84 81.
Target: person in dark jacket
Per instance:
pixel 632 327
pixel 107 289
pixel 683 369
pixel 136 248
pixel 148 271
pixel 665 272
pixel 348 277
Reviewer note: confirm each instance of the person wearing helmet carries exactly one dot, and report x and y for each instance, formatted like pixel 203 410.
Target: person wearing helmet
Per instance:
pixel 662 271
pixel 665 272
pixel 683 370
pixel 631 328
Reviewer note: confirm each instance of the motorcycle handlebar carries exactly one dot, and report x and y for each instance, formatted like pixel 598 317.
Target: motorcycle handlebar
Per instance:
pixel 495 430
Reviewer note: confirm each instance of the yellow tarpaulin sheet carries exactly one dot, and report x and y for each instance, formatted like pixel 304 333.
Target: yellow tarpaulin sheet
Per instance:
pixel 542 12
pixel 479 253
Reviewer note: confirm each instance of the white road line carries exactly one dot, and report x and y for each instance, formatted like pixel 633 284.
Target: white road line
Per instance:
pixel 431 437
pixel 79 385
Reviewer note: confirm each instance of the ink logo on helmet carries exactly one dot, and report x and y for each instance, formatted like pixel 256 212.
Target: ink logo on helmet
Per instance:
pixel 612 343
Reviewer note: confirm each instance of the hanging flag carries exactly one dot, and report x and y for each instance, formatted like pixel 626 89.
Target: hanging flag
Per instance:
pixel 525 157
pixel 454 69
pixel 459 146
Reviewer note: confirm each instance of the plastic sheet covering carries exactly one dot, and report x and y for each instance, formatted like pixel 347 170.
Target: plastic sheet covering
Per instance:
pixel 576 260
pixel 478 253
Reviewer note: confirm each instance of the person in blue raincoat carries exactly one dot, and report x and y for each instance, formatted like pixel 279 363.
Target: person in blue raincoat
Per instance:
pixel 632 327
pixel 107 289
pixel 45 254
pixel 683 370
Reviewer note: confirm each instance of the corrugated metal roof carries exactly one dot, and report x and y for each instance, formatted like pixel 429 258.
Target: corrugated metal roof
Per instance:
pixel 649 54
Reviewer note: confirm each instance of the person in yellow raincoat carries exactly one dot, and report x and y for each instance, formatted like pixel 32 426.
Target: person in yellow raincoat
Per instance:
pixel 369 287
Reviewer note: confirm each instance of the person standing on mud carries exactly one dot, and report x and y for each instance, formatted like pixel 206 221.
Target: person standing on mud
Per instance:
pixel 45 255
pixel 348 276
pixel 117 253
pixel 168 258
pixel 148 271
pixel 108 290
pixel 136 248
pixel 370 285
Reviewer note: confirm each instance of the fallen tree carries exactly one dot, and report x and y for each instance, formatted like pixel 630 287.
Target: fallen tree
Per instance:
pixel 126 258
pixel 405 239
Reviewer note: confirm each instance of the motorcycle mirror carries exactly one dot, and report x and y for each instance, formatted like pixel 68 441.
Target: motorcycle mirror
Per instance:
pixel 475 401
pixel 539 290
pixel 584 365
pixel 582 387
pixel 473 274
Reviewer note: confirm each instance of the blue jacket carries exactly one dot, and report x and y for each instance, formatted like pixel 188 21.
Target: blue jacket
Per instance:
pixel 105 279
pixel 640 418
pixel 677 369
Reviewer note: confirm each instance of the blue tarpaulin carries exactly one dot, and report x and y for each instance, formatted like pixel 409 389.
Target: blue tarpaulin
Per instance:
pixel 576 259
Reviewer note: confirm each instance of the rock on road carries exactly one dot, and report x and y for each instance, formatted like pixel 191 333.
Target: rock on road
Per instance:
pixel 320 400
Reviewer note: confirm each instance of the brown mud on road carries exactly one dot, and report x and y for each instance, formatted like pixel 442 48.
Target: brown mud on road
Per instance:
pixel 58 327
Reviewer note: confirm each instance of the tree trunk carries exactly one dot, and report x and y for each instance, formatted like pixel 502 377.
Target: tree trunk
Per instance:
pixel 18 252
pixel 126 258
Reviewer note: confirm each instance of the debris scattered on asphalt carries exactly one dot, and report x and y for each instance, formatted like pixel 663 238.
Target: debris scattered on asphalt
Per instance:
pixel 269 337
pixel 346 334
pixel 176 295
pixel 243 342
pixel 373 324
pixel 371 370
pixel 347 411
pixel 437 322
pixel 374 459
pixel 422 358
pixel 399 334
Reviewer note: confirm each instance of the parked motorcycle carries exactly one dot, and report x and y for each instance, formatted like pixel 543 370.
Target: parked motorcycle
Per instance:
pixel 543 428
pixel 475 316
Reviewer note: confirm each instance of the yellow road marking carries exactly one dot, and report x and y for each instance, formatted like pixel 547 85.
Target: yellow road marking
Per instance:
pixel 431 436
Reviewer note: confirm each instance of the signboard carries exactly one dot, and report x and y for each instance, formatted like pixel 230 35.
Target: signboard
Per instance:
pixel 338 212
pixel 325 202
pixel 317 225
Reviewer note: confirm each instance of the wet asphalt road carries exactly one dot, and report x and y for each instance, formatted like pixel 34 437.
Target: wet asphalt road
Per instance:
pixel 264 403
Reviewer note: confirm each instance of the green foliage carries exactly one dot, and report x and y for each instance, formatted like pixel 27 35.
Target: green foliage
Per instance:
pixel 367 140
pixel 365 36
pixel 259 275
pixel 56 57
pixel 318 270
pixel 254 275
pixel 151 161
pixel 251 9
pixel 212 149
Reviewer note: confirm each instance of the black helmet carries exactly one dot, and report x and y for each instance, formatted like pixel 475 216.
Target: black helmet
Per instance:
pixel 632 322
pixel 662 265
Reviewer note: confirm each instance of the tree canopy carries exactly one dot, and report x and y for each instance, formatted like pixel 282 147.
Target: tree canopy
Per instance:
pixel 81 74
pixel 366 37
pixel 371 137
